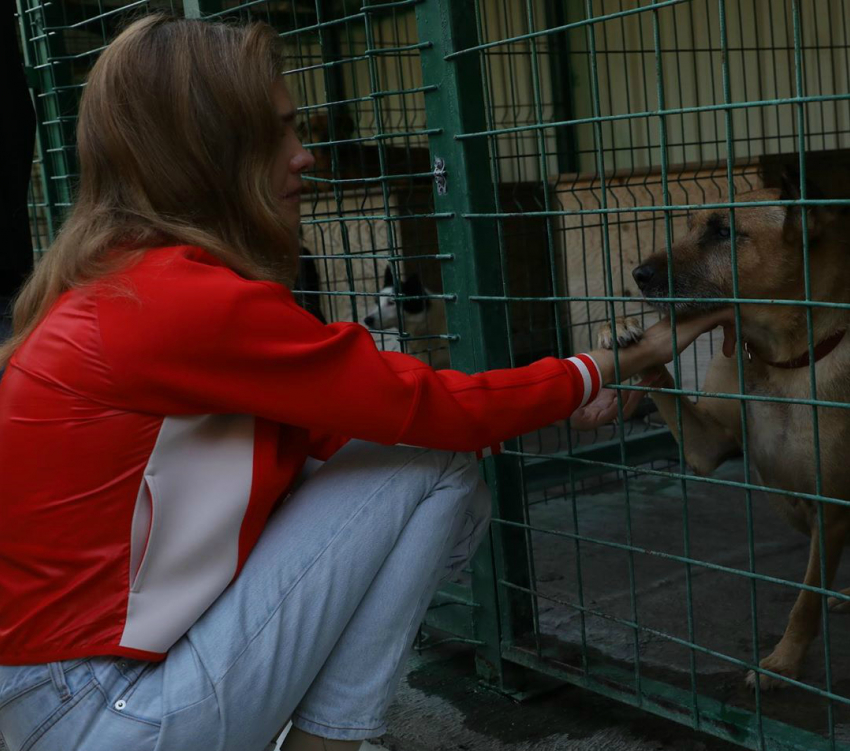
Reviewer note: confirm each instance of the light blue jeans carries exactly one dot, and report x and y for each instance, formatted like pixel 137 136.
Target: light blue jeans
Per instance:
pixel 317 627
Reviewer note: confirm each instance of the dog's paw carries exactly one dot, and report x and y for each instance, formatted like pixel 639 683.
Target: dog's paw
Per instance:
pixel 629 331
pixel 839 606
pixel 775 663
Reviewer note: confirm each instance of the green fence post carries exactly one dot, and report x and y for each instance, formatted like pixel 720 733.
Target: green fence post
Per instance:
pixel 41 168
pixel 55 104
pixel 201 8
pixel 457 106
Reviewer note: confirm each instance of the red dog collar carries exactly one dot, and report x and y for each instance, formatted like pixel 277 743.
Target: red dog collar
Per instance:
pixel 821 350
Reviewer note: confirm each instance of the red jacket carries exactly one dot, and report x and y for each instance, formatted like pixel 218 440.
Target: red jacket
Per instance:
pixel 147 429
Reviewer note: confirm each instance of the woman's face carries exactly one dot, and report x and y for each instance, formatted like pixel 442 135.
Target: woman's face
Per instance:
pixel 292 158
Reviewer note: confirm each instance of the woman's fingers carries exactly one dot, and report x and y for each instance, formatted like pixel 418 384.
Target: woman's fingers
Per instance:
pixel 724 317
pixel 689 329
pixel 603 409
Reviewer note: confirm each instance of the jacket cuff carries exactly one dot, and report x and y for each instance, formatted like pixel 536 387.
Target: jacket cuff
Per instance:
pixel 591 376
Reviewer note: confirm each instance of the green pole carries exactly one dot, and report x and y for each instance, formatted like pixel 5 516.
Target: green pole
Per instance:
pixel 465 185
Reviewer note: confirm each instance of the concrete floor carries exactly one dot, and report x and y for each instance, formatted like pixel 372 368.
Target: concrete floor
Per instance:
pixel 441 705
pixel 722 601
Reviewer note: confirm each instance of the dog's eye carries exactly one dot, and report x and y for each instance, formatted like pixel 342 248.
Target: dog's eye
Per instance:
pixel 724 232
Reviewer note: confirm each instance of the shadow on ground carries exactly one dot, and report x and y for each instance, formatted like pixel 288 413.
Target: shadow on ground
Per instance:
pixel 441 707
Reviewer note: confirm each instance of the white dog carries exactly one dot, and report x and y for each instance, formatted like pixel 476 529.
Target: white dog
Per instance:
pixel 423 318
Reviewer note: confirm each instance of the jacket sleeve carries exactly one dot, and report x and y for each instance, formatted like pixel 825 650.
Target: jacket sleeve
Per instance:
pixel 223 344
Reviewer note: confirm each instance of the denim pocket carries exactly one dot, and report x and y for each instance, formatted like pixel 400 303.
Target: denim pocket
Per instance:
pixel 64 708
pixel 30 698
pixel 130 689
pixel 82 724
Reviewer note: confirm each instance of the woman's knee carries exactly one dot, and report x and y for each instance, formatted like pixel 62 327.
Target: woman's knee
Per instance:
pixel 453 469
pixel 474 513
pixel 481 503
pixel 458 470
pixel 465 469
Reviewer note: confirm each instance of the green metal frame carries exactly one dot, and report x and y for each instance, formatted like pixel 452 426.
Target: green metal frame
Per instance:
pixel 55 107
pixel 457 104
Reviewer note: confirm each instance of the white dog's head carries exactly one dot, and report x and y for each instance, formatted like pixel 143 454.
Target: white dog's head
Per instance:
pixel 385 315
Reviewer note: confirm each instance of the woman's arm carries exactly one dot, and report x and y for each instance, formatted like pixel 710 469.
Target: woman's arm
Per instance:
pixel 195 338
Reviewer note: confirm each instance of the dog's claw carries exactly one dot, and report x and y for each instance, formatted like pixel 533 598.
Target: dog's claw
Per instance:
pixel 776 664
pixel 768 682
pixel 629 331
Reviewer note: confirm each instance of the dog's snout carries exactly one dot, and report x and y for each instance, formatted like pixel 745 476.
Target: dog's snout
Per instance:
pixel 644 274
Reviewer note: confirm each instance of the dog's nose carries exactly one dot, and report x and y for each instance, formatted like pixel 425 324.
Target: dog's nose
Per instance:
pixel 643 275
pixel 368 321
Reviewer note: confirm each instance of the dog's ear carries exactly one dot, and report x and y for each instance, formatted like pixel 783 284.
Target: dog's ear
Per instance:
pixel 413 287
pixel 344 126
pixel 388 277
pixel 816 216
pixel 790 182
pixel 318 128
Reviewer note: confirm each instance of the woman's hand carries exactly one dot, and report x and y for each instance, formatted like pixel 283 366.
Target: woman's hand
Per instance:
pixel 657 342
pixel 603 409
pixel 647 357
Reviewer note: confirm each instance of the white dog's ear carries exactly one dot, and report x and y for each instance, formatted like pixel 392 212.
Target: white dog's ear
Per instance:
pixel 388 276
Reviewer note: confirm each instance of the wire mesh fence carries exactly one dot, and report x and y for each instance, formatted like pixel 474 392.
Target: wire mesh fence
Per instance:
pixel 489 175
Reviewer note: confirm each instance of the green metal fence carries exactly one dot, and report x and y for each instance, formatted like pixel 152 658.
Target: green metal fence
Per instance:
pixel 520 158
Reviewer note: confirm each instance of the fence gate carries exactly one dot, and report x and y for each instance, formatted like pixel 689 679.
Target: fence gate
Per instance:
pixel 510 162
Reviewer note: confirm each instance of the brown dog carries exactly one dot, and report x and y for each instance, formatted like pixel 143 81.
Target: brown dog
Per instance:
pixel 776 364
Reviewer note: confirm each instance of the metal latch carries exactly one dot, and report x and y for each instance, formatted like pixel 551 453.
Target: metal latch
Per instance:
pixel 440 176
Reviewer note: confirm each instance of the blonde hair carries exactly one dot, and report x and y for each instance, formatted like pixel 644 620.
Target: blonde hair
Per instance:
pixel 176 135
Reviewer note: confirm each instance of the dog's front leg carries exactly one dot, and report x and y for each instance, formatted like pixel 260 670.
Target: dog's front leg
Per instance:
pixel 711 427
pixel 804 621
pixel 706 440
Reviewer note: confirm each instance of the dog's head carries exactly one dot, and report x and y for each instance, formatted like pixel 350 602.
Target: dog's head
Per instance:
pixel 319 127
pixel 385 315
pixel 769 248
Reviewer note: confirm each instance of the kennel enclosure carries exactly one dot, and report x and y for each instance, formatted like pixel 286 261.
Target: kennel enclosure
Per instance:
pixel 521 157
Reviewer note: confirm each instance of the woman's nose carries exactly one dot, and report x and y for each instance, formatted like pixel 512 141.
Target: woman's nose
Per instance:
pixel 302 161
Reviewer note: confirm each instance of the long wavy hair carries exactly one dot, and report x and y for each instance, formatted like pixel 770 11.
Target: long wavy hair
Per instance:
pixel 176 137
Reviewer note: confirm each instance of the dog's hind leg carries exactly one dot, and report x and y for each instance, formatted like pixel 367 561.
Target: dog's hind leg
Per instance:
pixel 804 622
pixel 840 606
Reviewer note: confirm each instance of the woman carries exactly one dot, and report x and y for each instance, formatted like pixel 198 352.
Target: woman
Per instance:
pixel 162 395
